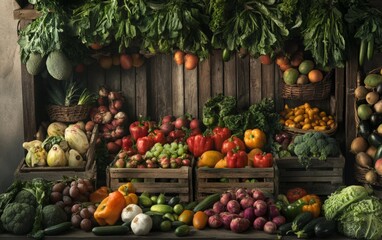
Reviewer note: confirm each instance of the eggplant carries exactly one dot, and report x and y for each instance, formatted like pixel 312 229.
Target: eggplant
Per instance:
pixel 375 119
pixel 375 139
pixel 378 153
pixel 379 89
pixel 365 129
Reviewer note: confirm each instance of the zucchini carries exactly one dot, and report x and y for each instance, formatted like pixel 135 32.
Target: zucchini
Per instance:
pixel 375 139
pixel 362 51
pixel 110 230
pixel 285 229
pixel 308 230
pixel 325 228
pixel 173 201
pixel 301 220
pixel 191 205
pixel 370 48
pixel 58 228
pixel 182 230
pixel 161 208
pixel 207 202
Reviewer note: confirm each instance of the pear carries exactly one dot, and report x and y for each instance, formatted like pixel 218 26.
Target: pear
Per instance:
pixel 378 106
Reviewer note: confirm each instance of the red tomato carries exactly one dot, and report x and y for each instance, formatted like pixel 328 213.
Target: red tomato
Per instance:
pixel 294 194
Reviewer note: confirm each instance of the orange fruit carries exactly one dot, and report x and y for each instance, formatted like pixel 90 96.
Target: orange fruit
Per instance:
pixel 265 59
pixel 126 61
pixel 315 76
pixel 282 60
pixel 285 67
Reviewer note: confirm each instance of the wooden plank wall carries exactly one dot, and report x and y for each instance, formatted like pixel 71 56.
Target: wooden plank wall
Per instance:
pixel 160 87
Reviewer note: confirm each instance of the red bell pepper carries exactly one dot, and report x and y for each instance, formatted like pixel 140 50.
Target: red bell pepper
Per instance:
pixel 263 160
pixel 127 142
pixel 144 144
pixel 139 129
pixel 219 135
pixel 237 159
pixel 158 136
pixel 232 143
pixel 198 144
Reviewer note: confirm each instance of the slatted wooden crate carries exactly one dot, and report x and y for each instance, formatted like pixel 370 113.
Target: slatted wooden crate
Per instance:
pixel 89 171
pixel 322 177
pixel 171 181
pixel 208 180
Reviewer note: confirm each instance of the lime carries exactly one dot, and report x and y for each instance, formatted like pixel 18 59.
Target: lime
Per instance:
pixel 178 208
pixel 165 226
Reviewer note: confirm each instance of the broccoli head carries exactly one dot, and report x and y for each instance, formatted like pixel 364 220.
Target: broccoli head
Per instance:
pixel 27 197
pixel 18 218
pixel 298 139
pixel 307 136
pixel 301 149
pixel 53 214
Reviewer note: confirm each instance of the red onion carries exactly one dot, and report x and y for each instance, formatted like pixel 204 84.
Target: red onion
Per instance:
pixel 257 194
pixel 260 208
pixel 103 92
pixel 218 207
pixel 215 221
pixel 270 227
pixel 233 206
pixel 259 223
pixel 279 220
pixel 239 225
pixel 249 214
pixel 225 198
pixel 246 202
pixel 209 212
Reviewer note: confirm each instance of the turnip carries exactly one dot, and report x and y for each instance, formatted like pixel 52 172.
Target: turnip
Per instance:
pixel 227 217
pixel 270 227
pixel 273 211
pixel 233 206
pixel 257 194
pixel 218 207
pixel 259 223
pixel 246 202
pixel 260 208
pixel 249 214
pixel 239 225
pixel 209 212
pixel 225 198
pixel 215 221
pixel 279 220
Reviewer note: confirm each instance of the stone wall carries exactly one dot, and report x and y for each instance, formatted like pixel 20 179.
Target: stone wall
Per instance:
pixel 11 111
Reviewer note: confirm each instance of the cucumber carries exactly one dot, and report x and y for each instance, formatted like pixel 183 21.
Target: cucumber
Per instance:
pixel 173 201
pixel 169 217
pixel 308 229
pixel 110 230
pixel 378 154
pixel 207 202
pixel 301 220
pixel 285 229
pixel 362 51
pixel 151 213
pixel 161 199
pixel 191 205
pixel 370 48
pixel 325 228
pixel 145 201
pixel 58 228
pixel 161 208
pixel 182 231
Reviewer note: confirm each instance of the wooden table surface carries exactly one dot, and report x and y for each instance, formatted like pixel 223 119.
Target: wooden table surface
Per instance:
pixel 194 234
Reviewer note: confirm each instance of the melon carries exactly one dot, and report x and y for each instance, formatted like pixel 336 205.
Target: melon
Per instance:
pixel 306 66
pixel 58 65
pixel 34 63
pixel 290 76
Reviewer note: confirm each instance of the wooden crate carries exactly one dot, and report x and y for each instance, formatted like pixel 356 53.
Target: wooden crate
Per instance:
pixel 171 181
pixel 89 171
pixel 322 177
pixel 208 180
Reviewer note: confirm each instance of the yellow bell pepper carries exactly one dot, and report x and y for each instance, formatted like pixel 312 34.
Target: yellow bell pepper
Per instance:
pixel 126 188
pixel 254 138
pixel 109 210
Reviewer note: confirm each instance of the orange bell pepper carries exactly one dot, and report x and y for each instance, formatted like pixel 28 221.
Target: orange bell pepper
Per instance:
pixel 126 188
pixel 109 210
pixel 98 195
pixel 131 198
pixel 312 204
pixel 254 138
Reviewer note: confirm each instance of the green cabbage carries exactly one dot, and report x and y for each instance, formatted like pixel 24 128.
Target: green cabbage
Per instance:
pixel 339 200
pixel 362 219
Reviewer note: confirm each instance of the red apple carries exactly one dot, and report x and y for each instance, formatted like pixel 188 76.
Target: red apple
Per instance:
pixel 181 122
pixel 378 166
pixel 195 123
pixel 120 163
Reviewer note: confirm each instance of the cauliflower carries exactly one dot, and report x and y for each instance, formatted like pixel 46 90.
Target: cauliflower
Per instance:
pixel 27 197
pixel 53 214
pixel 18 218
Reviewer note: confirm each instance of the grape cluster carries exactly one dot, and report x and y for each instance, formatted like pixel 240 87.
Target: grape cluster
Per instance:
pixel 83 216
pixel 66 193
pixel 173 150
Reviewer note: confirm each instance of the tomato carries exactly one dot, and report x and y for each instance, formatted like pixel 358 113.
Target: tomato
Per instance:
pixel 263 160
pixel 126 61
pixel 294 194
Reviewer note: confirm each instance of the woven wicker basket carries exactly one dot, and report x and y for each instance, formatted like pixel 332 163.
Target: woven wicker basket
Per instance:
pixel 360 175
pixel 68 114
pixel 308 92
pixel 296 131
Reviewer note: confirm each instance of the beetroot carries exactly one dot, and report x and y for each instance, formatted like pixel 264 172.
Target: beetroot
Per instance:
pixel 279 220
pixel 225 198
pixel 227 217
pixel 233 206
pixel 246 202
pixel 215 221
pixel 260 208
pixel 249 214
pixel 209 212
pixel 259 223
pixel 273 211
pixel 270 227
pixel 257 194
pixel 218 207
pixel 239 225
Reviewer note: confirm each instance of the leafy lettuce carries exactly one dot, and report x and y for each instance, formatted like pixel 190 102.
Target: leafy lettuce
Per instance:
pixel 362 219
